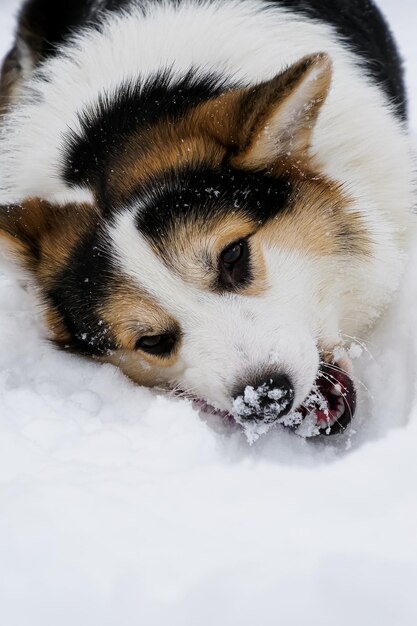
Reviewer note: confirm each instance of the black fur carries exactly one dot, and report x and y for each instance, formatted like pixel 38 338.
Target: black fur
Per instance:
pixel 45 24
pixel 200 196
pixel 176 198
pixel 77 291
pixel 361 24
pixel 107 125
pixel 358 22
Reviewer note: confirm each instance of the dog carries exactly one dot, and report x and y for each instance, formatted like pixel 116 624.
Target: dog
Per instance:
pixel 213 195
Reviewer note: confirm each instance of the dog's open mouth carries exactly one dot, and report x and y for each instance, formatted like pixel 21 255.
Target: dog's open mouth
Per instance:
pixel 327 410
pixel 330 406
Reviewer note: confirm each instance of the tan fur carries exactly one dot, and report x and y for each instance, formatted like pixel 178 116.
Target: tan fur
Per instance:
pixel 57 330
pixel 181 147
pixel 193 251
pixel 68 226
pixel 291 105
pixel 140 370
pixel 231 126
pixel 28 43
pixel 235 128
pixel 131 313
pixel 318 221
pixel 42 235
pixel 8 80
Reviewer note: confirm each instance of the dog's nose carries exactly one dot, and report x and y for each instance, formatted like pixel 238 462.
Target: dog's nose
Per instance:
pixel 265 400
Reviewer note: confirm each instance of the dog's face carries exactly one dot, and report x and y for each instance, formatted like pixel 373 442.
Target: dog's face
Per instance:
pixel 213 272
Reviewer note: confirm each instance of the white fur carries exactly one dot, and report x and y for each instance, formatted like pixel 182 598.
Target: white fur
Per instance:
pixel 227 338
pixel 358 141
pixel 237 40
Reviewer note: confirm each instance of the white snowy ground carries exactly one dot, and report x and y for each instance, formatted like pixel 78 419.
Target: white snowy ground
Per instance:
pixel 121 507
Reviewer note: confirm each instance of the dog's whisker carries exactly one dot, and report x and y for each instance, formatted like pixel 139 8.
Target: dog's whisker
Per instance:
pixel 361 343
pixel 181 392
pixel 355 338
pixel 355 378
pixel 344 395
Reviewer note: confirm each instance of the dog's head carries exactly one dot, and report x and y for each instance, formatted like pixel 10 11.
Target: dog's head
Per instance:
pixel 207 263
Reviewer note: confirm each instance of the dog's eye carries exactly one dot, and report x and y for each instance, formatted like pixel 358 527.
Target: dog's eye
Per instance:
pixel 234 264
pixel 158 345
pixel 232 254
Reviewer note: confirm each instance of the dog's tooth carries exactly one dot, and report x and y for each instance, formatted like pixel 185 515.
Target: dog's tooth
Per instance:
pixel 331 419
pixel 336 390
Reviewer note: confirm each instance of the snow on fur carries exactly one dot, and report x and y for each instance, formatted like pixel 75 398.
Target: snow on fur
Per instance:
pixel 119 506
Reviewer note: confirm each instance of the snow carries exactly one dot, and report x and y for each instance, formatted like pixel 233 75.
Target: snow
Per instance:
pixel 271 402
pixel 118 506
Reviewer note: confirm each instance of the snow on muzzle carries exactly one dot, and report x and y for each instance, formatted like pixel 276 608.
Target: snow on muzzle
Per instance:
pixel 328 409
pixel 266 402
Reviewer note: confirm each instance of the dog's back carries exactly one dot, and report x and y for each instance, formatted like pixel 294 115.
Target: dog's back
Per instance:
pixel 45 25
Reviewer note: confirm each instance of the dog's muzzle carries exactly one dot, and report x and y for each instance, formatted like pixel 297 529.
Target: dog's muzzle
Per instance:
pixel 327 410
pixel 264 401
pixel 329 406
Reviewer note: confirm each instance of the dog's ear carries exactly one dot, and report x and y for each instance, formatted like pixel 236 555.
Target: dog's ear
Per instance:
pixel 35 229
pixel 21 229
pixel 276 118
